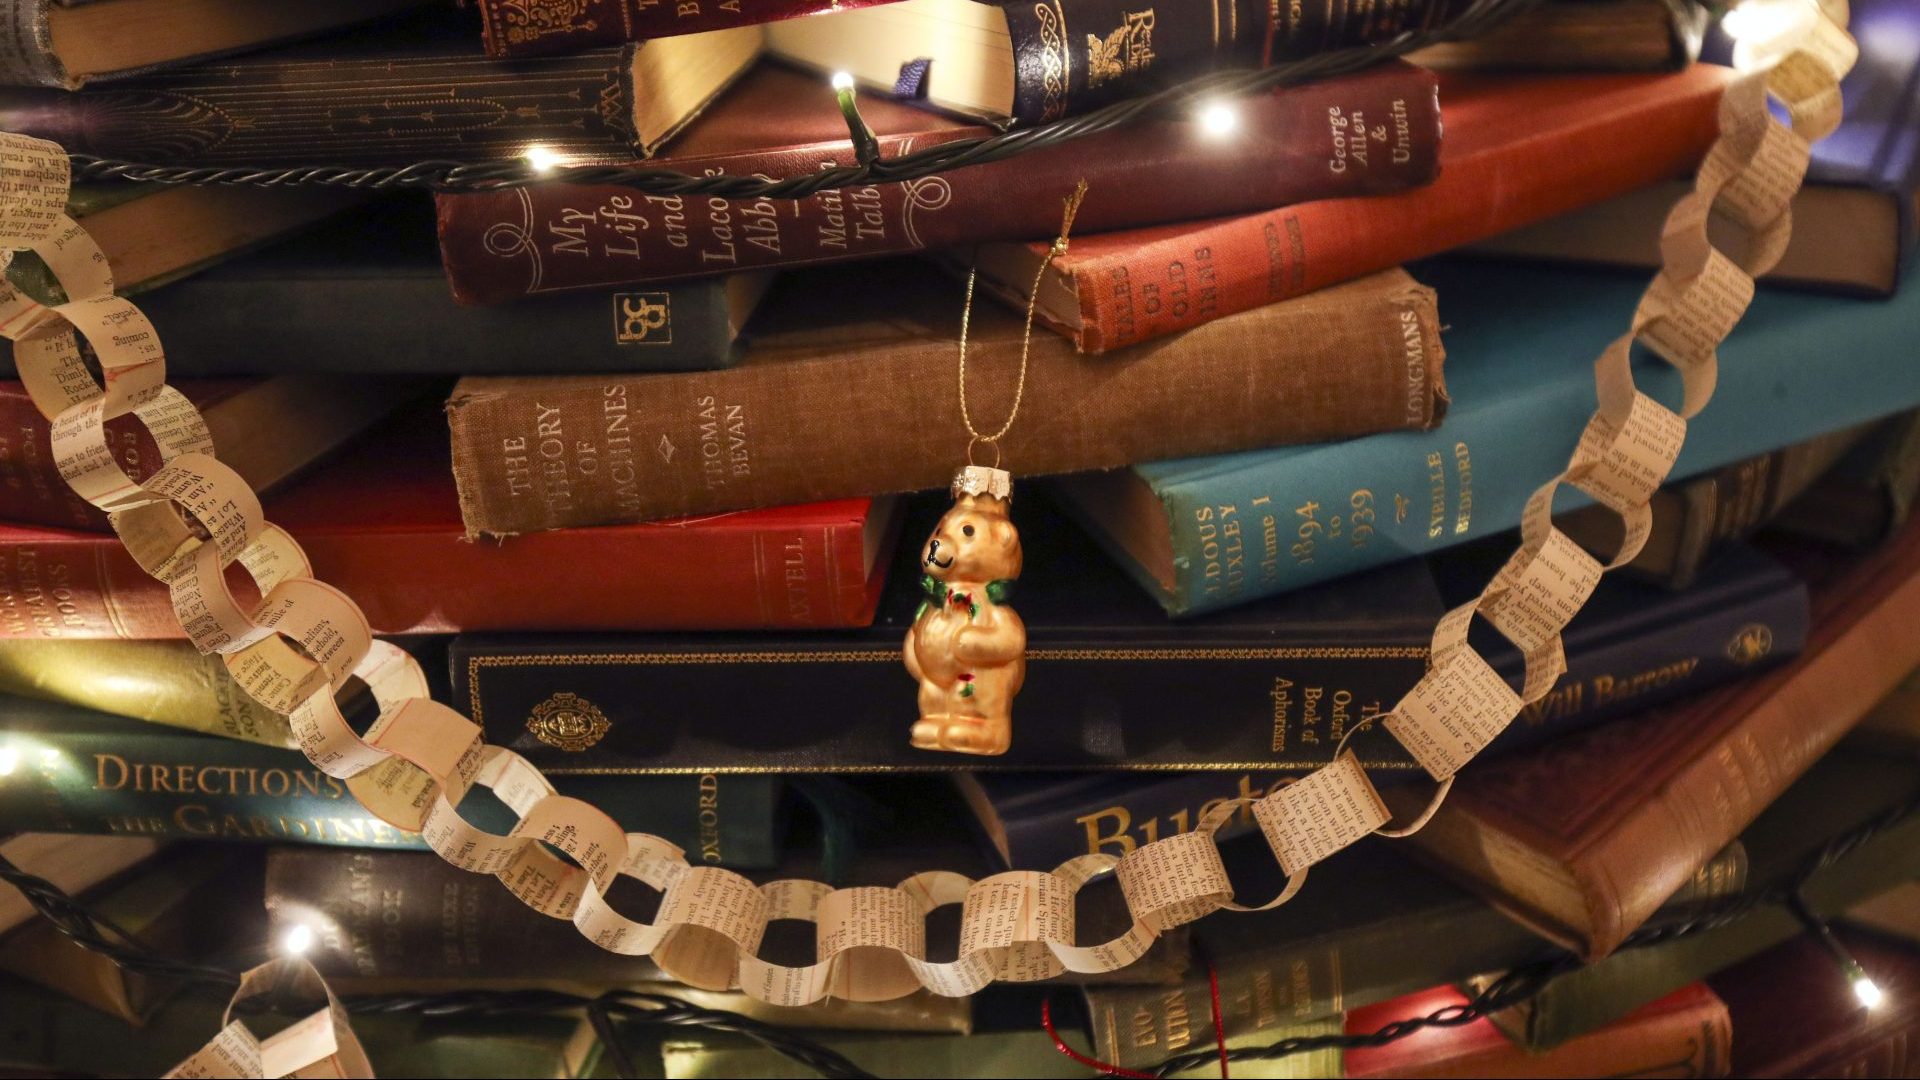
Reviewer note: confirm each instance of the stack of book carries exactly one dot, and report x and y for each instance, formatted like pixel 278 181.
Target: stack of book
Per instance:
pixel 644 481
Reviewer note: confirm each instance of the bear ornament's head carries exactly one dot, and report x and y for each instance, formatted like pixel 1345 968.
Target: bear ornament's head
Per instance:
pixel 974 543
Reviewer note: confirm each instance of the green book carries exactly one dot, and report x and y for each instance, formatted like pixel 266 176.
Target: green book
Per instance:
pixel 998 1054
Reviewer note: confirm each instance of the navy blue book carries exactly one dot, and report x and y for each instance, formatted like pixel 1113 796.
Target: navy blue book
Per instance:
pixel 1111 682
pixel 1854 224
pixel 367 295
pixel 1633 646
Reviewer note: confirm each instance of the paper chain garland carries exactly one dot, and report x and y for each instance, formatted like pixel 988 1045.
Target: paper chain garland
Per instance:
pixel 297 649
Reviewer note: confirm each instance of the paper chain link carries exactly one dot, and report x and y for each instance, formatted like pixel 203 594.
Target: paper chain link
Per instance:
pixel 296 649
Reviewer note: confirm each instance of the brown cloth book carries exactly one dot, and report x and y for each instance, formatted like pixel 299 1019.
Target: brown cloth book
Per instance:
pixel 849 388
pixel 1583 839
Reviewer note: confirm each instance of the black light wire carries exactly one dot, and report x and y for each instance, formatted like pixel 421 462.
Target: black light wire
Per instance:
pixel 1474 19
pixel 98 933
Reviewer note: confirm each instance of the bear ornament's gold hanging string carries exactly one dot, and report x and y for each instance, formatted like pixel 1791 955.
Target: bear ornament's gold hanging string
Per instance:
pixel 966 648
pixel 1058 249
pixel 302 645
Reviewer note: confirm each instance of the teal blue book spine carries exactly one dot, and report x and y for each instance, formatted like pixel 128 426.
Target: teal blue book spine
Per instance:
pixel 68 769
pixel 1520 347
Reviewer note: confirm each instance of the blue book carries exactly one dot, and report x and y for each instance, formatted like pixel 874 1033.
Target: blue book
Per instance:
pixel 1635 645
pixel 1208 533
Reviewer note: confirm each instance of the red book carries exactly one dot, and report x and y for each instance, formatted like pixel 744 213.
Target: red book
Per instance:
pixel 1518 148
pixel 268 430
pixel 517 28
pixel 1685 1033
pixel 383 524
pixel 549 237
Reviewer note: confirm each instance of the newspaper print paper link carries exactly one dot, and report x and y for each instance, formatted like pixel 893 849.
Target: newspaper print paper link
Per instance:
pixel 305 643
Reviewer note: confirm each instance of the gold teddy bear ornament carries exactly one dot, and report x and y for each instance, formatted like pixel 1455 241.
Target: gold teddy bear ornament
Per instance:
pixel 966 647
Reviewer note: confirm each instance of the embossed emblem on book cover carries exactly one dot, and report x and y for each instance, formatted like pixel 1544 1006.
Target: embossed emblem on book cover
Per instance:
pixel 568 722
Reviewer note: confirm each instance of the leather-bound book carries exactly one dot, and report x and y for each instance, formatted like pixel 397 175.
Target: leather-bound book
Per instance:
pixel 67 43
pixel 1545 144
pixel 418 91
pixel 1031 62
pixel 267 429
pixel 847 389
pixel 1583 839
pixel 501 245
pixel 516 28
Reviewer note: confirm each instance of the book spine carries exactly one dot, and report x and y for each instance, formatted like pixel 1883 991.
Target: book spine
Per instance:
pixel 1722 788
pixel 523 28
pixel 178 785
pixel 749 706
pixel 26 46
pixel 1418 493
pixel 1262 258
pixel 1296 30
pixel 1126 52
pixel 1120 817
pixel 31 487
pixel 383 914
pixel 407 324
pixel 56 584
pixel 550 453
pixel 1598 994
pixel 501 245
pixel 271 110
pixel 1137 1027
pixel 1660 656
pixel 163 682
pixel 1650 659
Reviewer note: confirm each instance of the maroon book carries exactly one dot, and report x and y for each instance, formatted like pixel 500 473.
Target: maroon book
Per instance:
pixel 516 28
pixel 383 524
pixel 1293 145
pixel 1795 1015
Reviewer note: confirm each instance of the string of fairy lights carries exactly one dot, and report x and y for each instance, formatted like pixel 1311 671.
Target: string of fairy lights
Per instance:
pixel 1208 98
pixel 616 1013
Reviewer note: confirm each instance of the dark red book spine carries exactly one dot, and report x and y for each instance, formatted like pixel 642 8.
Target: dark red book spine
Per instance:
pixel 520 28
pixel 1292 145
pixel 794 567
pixel 31 487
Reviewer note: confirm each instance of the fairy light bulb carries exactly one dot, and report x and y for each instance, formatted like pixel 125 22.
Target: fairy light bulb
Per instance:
pixel 1219 119
pixel 298 939
pixel 1764 30
pixel 841 81
pixel 541 160
pixel 9 760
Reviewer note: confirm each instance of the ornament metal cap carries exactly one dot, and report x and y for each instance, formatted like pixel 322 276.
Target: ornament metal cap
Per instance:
pixel 983 480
